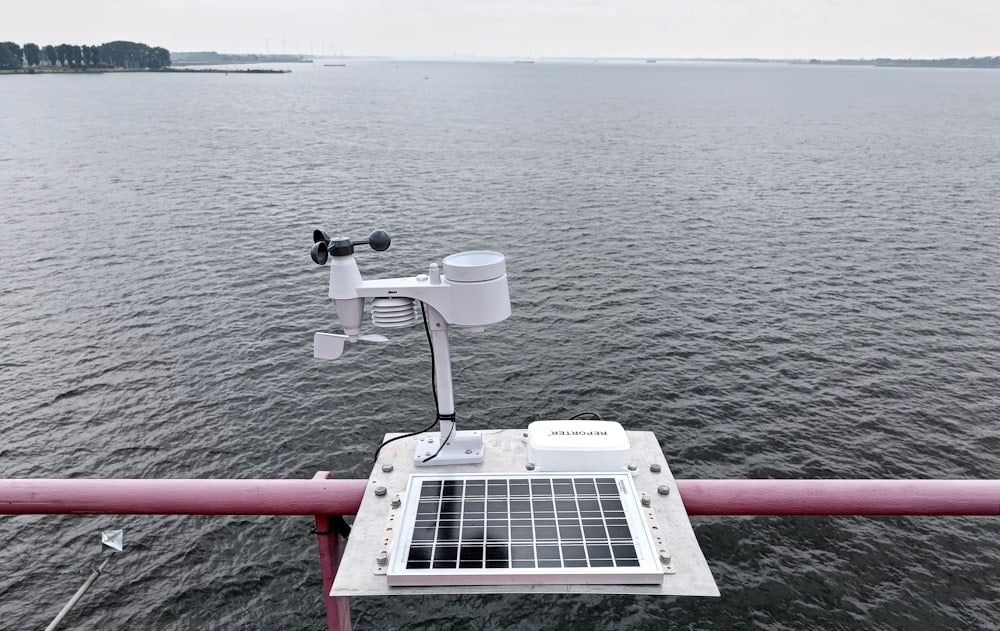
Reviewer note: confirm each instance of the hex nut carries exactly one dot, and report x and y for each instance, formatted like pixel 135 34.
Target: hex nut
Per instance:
pixel 387 468
pixel 655 468
pixel 380 491
pixel 663 490
pixel 382 558
pixel 530 466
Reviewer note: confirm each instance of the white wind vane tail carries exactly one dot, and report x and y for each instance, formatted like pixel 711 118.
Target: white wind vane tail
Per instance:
pixel 331 345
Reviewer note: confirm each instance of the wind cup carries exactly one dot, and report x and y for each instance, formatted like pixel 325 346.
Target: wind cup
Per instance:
pixel 471 292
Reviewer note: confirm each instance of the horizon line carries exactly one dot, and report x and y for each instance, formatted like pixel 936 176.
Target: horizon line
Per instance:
pixel 461 56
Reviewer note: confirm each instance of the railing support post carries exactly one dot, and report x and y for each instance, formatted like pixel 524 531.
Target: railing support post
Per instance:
pixel 331 548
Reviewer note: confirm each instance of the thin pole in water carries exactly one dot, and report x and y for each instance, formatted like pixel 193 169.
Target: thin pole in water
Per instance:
pixel 79 594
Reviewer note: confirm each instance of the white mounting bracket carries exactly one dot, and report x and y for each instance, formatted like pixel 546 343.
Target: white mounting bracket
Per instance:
pixel 462 448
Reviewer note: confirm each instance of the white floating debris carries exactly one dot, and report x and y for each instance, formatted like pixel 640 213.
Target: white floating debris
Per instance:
pixel 112 541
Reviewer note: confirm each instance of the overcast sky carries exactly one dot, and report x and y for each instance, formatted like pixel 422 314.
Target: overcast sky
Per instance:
pixel 522 28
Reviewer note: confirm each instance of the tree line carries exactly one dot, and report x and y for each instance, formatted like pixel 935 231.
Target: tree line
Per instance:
pixel 119 54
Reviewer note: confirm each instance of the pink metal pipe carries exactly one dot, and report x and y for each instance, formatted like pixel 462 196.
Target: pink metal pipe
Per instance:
pixel 840 497
pixel 317 496
pixel 343 497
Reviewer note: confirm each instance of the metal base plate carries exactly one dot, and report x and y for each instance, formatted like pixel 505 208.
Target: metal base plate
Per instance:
pixel 462 448
pixel 360 574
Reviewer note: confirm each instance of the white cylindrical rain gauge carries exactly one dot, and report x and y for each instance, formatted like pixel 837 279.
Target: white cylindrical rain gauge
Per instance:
pixel 474 267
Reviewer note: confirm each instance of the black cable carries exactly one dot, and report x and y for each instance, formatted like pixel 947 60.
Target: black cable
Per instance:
pixel 437 408
pixel 419 431
pixel 447 417
pixel 427 330
pixel 593 414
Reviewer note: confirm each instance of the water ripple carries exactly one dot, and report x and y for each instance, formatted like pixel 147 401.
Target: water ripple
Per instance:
pixel 754 262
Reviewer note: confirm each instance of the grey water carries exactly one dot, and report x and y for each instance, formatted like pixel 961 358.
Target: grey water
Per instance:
pixel 782 271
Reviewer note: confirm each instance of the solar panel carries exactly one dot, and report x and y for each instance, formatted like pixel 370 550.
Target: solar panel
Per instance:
pixel 537 528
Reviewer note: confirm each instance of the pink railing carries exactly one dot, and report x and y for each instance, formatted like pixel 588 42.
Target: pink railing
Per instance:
pixel 325 498
pixel 318 496
pixel 840 497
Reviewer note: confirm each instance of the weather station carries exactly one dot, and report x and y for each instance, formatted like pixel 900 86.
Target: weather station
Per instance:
pixel 560 506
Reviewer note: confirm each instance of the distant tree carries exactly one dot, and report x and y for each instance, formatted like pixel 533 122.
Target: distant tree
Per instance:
pixel 32 54
pixel 6 57
pixel 10 55
pixel 118 54
pixel 158 58
pixel 133 55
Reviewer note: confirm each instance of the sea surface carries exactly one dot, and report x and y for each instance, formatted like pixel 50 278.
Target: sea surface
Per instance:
pixel 782 271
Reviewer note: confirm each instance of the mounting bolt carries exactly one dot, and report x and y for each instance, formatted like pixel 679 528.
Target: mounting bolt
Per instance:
pixel 665 555
pixel 387 468
pixel 383 558
pixel 663 490
pixel 396 502
pixel 530 466
pixel 646 501
pixel 380 491
pixel 655 468
pixel 468 452
pixel 632 467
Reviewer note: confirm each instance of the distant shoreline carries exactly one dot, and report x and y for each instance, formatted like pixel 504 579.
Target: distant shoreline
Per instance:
pixel 60 70
pixel 210 57
pixel 950 62
pixel 882 62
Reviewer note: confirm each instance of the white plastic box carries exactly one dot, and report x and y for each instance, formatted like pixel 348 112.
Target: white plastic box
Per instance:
pixel 577 445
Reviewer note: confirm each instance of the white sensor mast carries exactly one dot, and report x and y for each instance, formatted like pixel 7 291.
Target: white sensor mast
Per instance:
pixel 472 292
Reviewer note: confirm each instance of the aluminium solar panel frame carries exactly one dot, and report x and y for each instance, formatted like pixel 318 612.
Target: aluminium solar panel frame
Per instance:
pixel 518 518
pixel 363 569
